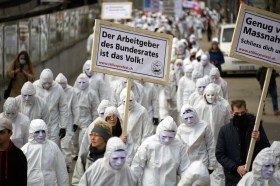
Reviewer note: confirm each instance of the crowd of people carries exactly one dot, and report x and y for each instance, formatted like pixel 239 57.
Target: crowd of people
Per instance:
pixel 186 133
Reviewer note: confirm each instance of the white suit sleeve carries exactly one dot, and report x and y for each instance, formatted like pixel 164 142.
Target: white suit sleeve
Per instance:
pixel 75 109
pixel 102 90
pixel 45 113
pixel 26 132
pixel 139 162
pixel 94 101
pixel 78 172
pixel 148 127
pixel 210 148
pixel 63 110
pixel 180 95
pixel 61 171
pixel 83 181
pixel 184 161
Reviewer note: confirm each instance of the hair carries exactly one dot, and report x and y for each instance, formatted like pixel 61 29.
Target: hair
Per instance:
pixel 28 61
pixel 105 125
pixel 211 48
pixel 238 103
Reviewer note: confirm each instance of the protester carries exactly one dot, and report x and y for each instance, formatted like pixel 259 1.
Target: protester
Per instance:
pixel 272 87
pixel 74 114
pixel 161 157
pixel 20 71
pixel 31 105
pixel 139 124
pixel 46 165
pixel 88 103
pixel 237 135
pixel 52 94
pixel 13 163
pixel 262 170
pixel 216 55
pixel 197 95
pixel 100 134
pixel 19 121
pixel 196 175
pixel 112 116
pixel 216 78
pixel 197 137
pixel 112 169
pixel 86 139
pixel 204 67
pixel 275 146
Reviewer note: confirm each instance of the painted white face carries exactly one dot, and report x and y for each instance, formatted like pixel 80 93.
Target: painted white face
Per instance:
pixel 214 79
pixel 166 137
pixel 131 104
pixel 88 71
pixel 204 62
pixel 267 171
pixel 47 85
pixel 63 85
pixel 11 114
pixel 200 89
pixel 40 136
pixel 117 159
pixel 188 118
pixel 28 98
pixel 210 96
pixel 82 83
pixel 188 74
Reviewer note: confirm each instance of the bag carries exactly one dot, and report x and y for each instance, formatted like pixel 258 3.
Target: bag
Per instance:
pixel 8 90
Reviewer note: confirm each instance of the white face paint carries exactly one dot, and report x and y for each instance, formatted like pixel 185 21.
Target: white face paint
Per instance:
pixel 210 97
pixel 117 159
pixel 82 83
pixel 214 79
pixel 267 171
pixel 63 85
pixel 188 75
pixel 47 85
pixel 188 118
pixel 200 89
pixel 131 104
pixel 11 114
pixel 28 98
pixel 204 62
pixel 88 71
pixel 166 137
pixel 39 136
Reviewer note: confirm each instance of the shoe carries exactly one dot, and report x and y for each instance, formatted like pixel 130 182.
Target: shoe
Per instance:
pixel 277 113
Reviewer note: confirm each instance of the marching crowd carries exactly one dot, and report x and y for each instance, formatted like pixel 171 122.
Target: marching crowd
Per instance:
pixel 185 133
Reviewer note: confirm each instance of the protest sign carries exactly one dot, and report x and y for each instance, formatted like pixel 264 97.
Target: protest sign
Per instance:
pixel 256 37
pixel 132 53
pixel 116 10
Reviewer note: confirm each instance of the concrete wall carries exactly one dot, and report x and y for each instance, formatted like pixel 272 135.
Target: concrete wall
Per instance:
pixel 69 62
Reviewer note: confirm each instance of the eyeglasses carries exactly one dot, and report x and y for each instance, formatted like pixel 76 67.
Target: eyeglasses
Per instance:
pixel 239 113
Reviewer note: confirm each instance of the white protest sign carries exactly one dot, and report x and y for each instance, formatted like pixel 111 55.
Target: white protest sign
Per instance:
pixel 132 53
pixel 256 37
pixel 117 10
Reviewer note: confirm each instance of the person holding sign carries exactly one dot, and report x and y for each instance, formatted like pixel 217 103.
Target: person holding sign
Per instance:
pixel 139 125
pixel 161 157
pixel 234 140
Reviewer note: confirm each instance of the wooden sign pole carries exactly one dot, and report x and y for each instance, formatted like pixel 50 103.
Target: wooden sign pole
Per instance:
pixel 258 118
pixel 126 106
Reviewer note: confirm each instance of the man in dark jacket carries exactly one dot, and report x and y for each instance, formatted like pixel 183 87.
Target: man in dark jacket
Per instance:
pixel 13 164
pixel 234 141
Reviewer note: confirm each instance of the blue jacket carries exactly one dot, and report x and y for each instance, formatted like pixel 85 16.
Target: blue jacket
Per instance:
pixel 218 57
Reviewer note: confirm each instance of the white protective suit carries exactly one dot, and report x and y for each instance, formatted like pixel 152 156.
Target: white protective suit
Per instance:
pixel 276 148
pixel 215 114
pixel 179 69
pixel 74 113
pixel 198 139
pixel 151 102
pixel 196 75
pixel 88 103
pixel 168 93
pixel 158 164
pixel 46 165
pixel 204 66
pixel 197 95
pixel 55 98
pixel 19 121
pixel 101 173
pixel 34 109
pixel 139 125
pixel 196 175
pixel 185 87
pixel 86 138
pixel 215 77
pixel 255 178
pixel 136 88
pixel 96 82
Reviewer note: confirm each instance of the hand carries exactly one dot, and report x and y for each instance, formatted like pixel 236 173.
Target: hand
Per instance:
pixel 155 121
pixel 75 127
pixel 169 101
pixel 256 135
pixel 124 138
pixel 210 171
pixel 241 170
pixel 62 133
pixel 17 71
